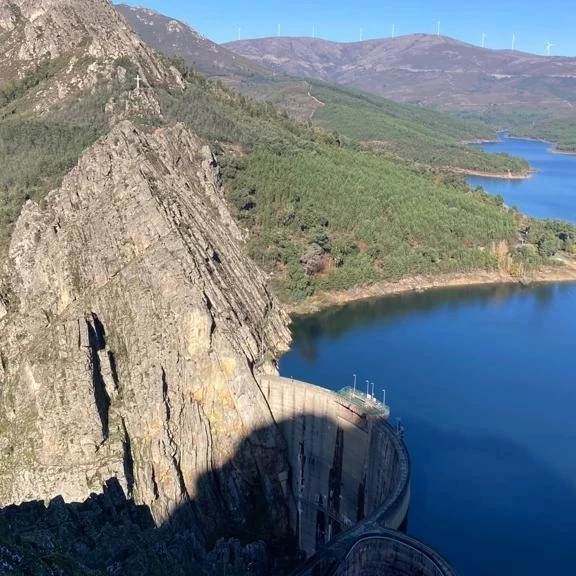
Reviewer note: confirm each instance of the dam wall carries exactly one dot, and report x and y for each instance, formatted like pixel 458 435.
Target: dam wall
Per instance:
pixel 347 463
pixel 370 550
pixel 382 554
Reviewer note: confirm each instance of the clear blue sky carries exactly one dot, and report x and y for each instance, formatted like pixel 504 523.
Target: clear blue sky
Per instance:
pixel 534 23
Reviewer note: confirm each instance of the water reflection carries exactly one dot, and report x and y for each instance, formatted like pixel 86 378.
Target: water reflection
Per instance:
pixel 332 323
pixel 484 380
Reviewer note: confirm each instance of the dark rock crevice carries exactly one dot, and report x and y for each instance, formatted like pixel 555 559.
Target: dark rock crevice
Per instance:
pixel 128 459
pixel 335 482
pixel 97 342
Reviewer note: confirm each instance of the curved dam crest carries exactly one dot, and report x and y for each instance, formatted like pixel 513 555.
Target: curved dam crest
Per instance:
pixel 349 485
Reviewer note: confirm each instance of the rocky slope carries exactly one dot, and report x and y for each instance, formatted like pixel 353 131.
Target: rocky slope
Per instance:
pixel 175 38
pixel 429 70
pixel 133 327
pixel 79 44
pixel 133 331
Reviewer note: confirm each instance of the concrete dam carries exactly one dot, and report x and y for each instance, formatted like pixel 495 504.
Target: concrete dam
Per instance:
pixel 349 486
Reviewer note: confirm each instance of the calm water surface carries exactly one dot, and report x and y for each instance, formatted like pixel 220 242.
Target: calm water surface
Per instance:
pixel 484 380
pixel 549 193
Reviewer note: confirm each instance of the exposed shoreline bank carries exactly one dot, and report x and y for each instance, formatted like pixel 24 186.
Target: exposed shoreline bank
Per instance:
pixel 495 175
pixel 416 284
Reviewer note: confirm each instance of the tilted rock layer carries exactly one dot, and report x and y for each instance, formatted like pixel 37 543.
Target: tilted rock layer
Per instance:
pixel 132 330
pixel 86 41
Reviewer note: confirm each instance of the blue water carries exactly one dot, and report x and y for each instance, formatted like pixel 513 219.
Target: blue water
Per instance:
pixel 484 380
pixel 549 193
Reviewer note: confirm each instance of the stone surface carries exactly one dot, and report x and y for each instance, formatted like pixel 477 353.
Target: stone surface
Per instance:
pixel 134 331
pixel 86 40
pixel 108 534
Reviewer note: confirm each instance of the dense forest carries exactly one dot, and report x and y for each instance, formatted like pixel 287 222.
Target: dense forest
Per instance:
pixel 320 213
pixel 396 130
pixel 410 132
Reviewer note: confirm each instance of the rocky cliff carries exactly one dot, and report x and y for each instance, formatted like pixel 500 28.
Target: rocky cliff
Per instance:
pixel 133 328
pixel 79 44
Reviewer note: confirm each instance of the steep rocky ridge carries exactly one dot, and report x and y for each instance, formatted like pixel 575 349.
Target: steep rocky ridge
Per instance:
pixel 132 332
pixel 83 40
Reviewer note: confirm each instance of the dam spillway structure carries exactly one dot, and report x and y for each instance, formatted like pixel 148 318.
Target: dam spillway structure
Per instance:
pixel 349 483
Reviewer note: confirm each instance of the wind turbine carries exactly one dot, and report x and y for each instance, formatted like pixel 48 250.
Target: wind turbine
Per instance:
pixel 361 34
pixel 549 47
pixel 513 41
pixel 484 36
pixel 438 25
pixel 393 30
pixel 279 30
pixel 313 31
pixel 239 33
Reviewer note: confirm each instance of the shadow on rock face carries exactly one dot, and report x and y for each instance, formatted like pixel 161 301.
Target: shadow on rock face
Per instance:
pixel 339 479
pixel 109 534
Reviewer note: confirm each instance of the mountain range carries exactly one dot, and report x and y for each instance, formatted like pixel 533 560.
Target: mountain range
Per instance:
pixel 405 131
pixel 177 39
pixel 524 94
pixel 429 70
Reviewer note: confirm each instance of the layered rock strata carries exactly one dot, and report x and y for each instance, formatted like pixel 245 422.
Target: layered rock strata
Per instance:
pixel 134 329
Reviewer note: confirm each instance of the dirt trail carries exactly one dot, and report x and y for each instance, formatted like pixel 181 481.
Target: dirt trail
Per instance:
pixel 319 102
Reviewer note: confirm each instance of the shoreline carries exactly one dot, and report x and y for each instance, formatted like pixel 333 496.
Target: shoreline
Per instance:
pixel 554 147
pixel 494 175
pixel 419 284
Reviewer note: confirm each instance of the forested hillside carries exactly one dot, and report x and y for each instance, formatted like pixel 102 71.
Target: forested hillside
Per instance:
pixel 402 131
pixel 318 214
pixel 409 132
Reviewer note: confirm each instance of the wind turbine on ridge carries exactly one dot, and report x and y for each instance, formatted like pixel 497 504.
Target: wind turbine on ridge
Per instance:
pixel 438 26
pixel 549 47
pixel 513 41
pixel 484 36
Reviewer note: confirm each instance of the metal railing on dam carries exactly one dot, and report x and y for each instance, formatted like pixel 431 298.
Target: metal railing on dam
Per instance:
pixel 349 485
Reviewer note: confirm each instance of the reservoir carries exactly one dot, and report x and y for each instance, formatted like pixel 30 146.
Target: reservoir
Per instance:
pixel 484 381
pixel 549 193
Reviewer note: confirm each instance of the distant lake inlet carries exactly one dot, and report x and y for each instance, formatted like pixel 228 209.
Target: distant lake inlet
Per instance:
pixel 549 193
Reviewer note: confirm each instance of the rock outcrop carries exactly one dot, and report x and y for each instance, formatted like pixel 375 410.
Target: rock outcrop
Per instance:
pixel 108 534
pixel 132 331
pixel 87 43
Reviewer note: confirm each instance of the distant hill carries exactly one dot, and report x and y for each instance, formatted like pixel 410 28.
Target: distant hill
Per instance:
pixel 414 134
pixel 428 70
pixel 175 38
